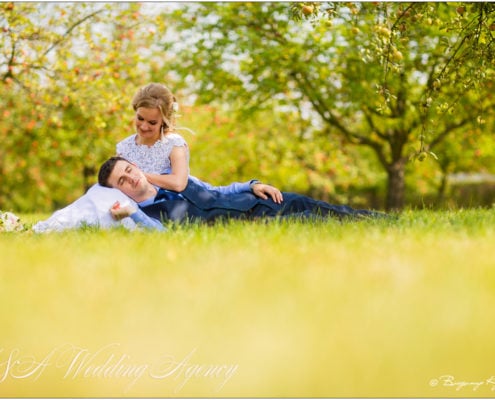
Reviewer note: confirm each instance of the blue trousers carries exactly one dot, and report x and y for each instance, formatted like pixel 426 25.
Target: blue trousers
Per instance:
pixel 306 207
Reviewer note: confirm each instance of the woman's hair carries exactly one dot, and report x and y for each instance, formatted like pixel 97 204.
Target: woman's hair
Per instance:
pixel 156 95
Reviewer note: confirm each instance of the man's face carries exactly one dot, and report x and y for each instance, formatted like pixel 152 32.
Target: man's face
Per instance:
pixel 129 179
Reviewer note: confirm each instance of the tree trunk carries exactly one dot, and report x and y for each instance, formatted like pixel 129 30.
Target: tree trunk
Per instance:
pixel 442 189
pixel 88 177
pixel 396 186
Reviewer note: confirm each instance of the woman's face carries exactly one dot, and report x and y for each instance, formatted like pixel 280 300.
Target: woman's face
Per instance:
pixel 148 124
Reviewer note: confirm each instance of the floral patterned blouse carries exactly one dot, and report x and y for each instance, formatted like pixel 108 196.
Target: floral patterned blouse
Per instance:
pixel 151 159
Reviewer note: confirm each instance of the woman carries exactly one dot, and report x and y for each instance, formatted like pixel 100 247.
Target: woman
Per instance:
pixel 155 147
pixel 160 152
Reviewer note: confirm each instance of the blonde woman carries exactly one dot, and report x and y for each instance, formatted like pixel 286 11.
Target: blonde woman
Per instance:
pixel 156 148
pixel 160 152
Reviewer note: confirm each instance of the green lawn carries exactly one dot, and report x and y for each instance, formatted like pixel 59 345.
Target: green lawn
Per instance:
pixel 367 309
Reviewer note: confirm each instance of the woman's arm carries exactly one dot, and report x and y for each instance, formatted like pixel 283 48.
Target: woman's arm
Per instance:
pixel 177 179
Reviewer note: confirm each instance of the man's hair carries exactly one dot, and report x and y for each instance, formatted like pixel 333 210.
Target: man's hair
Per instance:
pixel 106 170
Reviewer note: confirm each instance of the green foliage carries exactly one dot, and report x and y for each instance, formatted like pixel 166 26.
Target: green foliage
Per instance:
pixel 279 149
pixel 67 72
pixel 336 99
pixel 382 75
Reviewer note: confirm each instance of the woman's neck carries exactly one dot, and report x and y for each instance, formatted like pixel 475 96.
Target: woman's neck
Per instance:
pixel 146 141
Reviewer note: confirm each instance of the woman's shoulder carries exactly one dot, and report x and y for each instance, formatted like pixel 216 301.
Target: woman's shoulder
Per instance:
pixel 175 139
pixel 130 140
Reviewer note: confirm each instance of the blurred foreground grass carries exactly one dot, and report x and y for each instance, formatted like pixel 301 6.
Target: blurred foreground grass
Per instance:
pixel 368 309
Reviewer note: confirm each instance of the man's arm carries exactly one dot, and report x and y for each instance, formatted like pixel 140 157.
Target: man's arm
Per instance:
pixel 233 188
pixel 119 212
pixel 259 189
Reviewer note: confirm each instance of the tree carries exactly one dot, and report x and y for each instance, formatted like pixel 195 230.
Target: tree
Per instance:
pixel 67 72
pixel 224 150
pixel 399 78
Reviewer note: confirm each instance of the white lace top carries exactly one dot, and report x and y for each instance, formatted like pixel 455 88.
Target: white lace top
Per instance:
pixel 154 159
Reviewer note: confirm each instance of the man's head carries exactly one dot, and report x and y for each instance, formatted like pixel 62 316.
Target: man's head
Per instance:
pixel 120 174
pixel 106 170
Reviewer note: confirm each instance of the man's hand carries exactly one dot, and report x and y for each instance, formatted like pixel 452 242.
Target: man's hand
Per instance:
pixel 119 211
pixel 264 191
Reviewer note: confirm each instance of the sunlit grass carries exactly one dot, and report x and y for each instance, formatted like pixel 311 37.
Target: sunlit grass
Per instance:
pixel 323 309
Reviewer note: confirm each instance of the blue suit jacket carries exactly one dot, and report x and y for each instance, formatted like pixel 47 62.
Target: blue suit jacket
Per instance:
pixel 203 204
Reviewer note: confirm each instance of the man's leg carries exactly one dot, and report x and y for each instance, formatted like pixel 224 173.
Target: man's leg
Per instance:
pixel 303 205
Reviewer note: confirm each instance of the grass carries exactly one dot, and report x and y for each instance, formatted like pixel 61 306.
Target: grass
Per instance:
pixel 369 309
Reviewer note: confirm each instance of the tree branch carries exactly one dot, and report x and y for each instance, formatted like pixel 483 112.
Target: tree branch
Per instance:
pixel 448 129
pixel 328 116
pixel 69 30
pixel 367 113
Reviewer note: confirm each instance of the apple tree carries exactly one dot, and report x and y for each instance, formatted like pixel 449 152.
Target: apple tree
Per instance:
pixel 397 78
pixel 67 75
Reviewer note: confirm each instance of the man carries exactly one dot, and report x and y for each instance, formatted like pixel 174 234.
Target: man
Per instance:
pixel 196 203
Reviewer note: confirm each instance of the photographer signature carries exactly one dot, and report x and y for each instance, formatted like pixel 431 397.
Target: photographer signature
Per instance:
pixel 451 381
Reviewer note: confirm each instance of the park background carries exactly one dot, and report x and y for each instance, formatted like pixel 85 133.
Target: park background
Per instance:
pixel 385 105
pixel 381 105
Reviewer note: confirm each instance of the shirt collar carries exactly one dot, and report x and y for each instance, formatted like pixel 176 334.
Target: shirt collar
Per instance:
pixel 149 200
